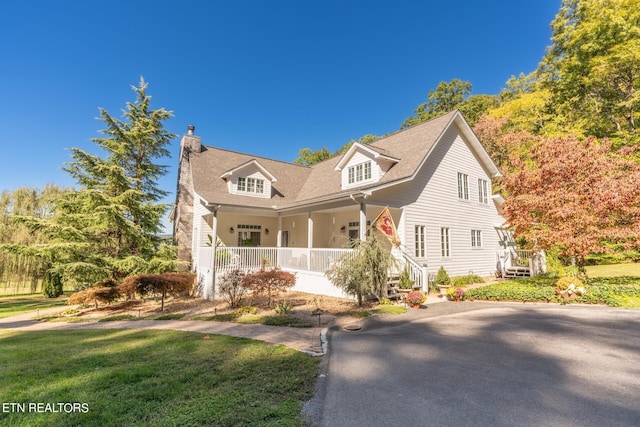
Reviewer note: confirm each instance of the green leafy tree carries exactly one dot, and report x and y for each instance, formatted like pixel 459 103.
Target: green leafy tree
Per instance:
pixel 446 97
pixel 307 157
pixel 475 106
pixel 592 67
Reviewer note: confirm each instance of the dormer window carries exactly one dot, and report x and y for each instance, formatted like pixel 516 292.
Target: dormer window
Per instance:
pixel 250 185
pixel 359 172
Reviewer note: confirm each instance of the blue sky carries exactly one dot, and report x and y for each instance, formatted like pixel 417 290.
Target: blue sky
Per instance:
pixel 263 77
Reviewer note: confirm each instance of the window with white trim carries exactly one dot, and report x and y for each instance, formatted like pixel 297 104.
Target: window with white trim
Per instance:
pixel 249 234
pixel 463 186
pixel 483 191
pixel 476 238
pixel 250 185
pixel 445 244
pixel 359 172
pixel 421 241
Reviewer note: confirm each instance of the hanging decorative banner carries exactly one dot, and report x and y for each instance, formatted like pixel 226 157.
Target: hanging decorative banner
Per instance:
pixel 384 223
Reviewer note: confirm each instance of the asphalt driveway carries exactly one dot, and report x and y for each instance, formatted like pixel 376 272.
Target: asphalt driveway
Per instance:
pixel 484 364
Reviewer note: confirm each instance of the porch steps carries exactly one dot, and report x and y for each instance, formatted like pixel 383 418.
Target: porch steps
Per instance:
pixel 393 291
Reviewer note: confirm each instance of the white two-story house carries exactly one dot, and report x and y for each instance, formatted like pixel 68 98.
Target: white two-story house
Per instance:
pixel 236 210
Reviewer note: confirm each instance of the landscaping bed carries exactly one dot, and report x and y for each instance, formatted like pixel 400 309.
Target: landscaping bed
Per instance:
pixel 291 308
pixel 621 291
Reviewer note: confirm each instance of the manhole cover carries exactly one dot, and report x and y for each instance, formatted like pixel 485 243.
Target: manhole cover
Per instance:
pixel 353 327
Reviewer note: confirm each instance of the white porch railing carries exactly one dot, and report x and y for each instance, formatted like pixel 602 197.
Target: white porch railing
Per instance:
pixel 314 260
pixel 535 261
pixel 417 272
pixel 229 258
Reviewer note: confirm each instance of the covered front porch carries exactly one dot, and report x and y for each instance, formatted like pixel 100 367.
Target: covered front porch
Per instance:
pixel 306 242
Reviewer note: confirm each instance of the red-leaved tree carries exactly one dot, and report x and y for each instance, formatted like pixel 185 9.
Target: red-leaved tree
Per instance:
pixel 575 195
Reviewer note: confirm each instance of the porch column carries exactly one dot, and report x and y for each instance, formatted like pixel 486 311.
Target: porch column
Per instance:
pixel 279 236
pixel 209 291
pixel 309 240
pixel 363 220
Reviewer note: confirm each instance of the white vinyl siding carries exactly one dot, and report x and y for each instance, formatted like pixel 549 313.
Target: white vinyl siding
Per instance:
pixel 431 198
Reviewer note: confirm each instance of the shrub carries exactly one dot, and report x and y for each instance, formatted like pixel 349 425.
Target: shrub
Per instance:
pixel 405 280
pixel 246 310
pixel 469 279
pixel 442 278
pixel 283 308
pixel 269 282
pixel 565 282
pixel 232 287
pixel 106 292
pixel 172 283
pixel 52 284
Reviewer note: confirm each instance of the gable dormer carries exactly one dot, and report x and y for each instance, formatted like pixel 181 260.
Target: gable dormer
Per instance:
pixel 249 179
pixel 363 164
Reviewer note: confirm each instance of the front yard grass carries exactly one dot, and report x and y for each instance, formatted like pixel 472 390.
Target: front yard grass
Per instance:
pixel 152 378
pixel 621 291
pixel 13 305
pixel 613 270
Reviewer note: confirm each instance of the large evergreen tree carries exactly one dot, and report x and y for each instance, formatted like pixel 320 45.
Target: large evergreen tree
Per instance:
pixel 108 227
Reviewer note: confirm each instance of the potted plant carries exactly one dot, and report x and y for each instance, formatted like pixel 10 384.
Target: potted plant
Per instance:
pixel 443 281
pixel 455 293
pixel 415 298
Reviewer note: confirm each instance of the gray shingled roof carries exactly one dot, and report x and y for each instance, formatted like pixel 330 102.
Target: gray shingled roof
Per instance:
pixel 297 184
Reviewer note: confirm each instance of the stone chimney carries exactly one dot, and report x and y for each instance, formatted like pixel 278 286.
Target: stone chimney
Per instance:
pixel 190 143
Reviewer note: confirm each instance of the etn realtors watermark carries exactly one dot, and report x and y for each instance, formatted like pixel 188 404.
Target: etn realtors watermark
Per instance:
pixel 44 407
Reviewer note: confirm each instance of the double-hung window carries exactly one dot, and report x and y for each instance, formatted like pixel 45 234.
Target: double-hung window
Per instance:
pixel 483 191
pixel 476 238
pixel 445 244
pixel 463 186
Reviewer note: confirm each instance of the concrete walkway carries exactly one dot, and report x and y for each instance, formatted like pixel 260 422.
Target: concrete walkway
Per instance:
pixel 312 341
pixel 308 340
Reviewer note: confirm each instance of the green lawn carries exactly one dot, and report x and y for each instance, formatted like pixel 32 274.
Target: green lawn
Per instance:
pixel 613 270
pixel 152 378
pixel 12 305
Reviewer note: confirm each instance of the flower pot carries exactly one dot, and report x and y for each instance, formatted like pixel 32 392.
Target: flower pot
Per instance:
pixel 443 291
pixel 416 305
